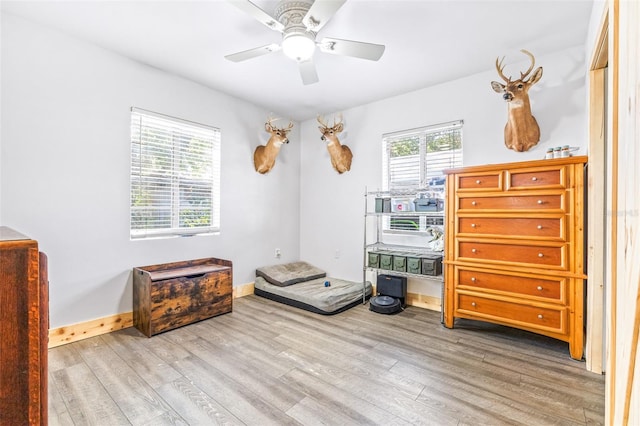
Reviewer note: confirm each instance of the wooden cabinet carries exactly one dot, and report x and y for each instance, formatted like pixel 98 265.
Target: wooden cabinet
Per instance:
pixel 514 247
pixel 170 295
pixel 24 327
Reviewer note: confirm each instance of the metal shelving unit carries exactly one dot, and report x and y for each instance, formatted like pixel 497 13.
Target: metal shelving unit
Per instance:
pixel 380 238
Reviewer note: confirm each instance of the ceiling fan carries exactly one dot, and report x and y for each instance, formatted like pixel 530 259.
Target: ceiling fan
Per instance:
pixel 299 22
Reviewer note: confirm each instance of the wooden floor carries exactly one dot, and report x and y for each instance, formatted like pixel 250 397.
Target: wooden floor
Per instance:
pixel 267 363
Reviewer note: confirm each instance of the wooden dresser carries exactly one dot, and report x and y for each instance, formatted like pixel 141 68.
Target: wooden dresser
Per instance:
pixel 170 295
pixel 24 330
pixel 514 247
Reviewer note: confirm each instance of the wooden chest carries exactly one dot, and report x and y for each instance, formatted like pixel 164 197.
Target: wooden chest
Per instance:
pixel 514 247
pixel 170 295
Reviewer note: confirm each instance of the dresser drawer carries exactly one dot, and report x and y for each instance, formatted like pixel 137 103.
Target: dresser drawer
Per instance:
pixel 520 254
pixel 539 228
pixel 548 177
pixel 553 202
pixel 480 182
pixel 544 318
pixel 551 289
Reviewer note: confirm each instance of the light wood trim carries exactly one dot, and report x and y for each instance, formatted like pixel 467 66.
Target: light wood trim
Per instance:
pixel 424 301
pixel 243 290
pixel 626 132
pixel 84 330
pixel 614 7
pixel 631 376
pixel 595 228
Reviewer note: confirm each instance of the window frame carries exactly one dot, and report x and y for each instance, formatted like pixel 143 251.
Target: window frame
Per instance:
pixel 189 154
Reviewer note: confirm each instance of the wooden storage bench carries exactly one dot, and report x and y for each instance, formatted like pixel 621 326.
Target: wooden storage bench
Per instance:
pixel 170 295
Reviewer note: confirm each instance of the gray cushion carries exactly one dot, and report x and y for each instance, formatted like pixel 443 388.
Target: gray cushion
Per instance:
pixel 290 273
pixel 314 293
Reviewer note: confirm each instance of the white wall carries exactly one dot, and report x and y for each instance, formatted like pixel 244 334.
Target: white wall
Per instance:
pixel 65 169
pixel 65 163
pixel 595 20
pixel 332 205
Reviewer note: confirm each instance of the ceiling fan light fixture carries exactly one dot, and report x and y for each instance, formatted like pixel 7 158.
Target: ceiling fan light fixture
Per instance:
pixel 299 46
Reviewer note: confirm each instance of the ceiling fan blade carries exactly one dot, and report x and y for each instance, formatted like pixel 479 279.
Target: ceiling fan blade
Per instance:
pixel 252 53
pixel 320 13
pixel 259 14
pixel 357 49
pixel 308 72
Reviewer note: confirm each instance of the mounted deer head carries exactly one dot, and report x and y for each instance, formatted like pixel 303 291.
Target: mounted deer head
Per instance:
pixel 340 154
pixel 521 132
pixel 264 157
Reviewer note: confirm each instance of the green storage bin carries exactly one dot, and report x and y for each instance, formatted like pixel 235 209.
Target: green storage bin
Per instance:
pixel 400 262
pixel 374 259
pixel 379 205
pixel 386 261
pixel 414 265
pixel 431 265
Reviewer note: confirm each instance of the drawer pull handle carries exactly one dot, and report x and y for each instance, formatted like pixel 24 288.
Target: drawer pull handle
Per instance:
pixel 473 304
pixel 539 288
pixel 473 225
pixel 540 201
pixel 474 250
pixel 473 279
pixel 534 178
pixel 478 181
pixel 540 255
pixel 539 226
pixel 473 203
pixel 540 316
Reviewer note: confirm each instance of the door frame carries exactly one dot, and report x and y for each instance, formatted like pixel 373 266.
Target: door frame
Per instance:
pixel 598 220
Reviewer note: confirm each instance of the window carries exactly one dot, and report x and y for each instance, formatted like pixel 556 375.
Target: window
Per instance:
pixel 414 161
pixel 175 176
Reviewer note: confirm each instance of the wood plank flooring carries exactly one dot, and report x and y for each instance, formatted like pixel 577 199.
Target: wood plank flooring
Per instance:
pixel 270 364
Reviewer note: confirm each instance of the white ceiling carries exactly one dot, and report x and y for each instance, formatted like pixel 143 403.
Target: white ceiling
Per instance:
pixel 427 42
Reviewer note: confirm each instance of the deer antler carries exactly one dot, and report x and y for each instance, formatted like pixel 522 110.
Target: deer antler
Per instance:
pixel 271 119
pixel 533 63
pixel 500 67
pixel 321 120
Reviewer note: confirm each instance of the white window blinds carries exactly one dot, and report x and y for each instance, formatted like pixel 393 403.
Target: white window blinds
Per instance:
pixel 416 158
pixel 175 176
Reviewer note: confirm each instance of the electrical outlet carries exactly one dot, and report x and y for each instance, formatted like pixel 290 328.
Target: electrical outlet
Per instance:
pixel 278 253
pixel 337 254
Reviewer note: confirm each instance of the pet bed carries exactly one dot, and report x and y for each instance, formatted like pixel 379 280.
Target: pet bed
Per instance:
pixel 302 285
